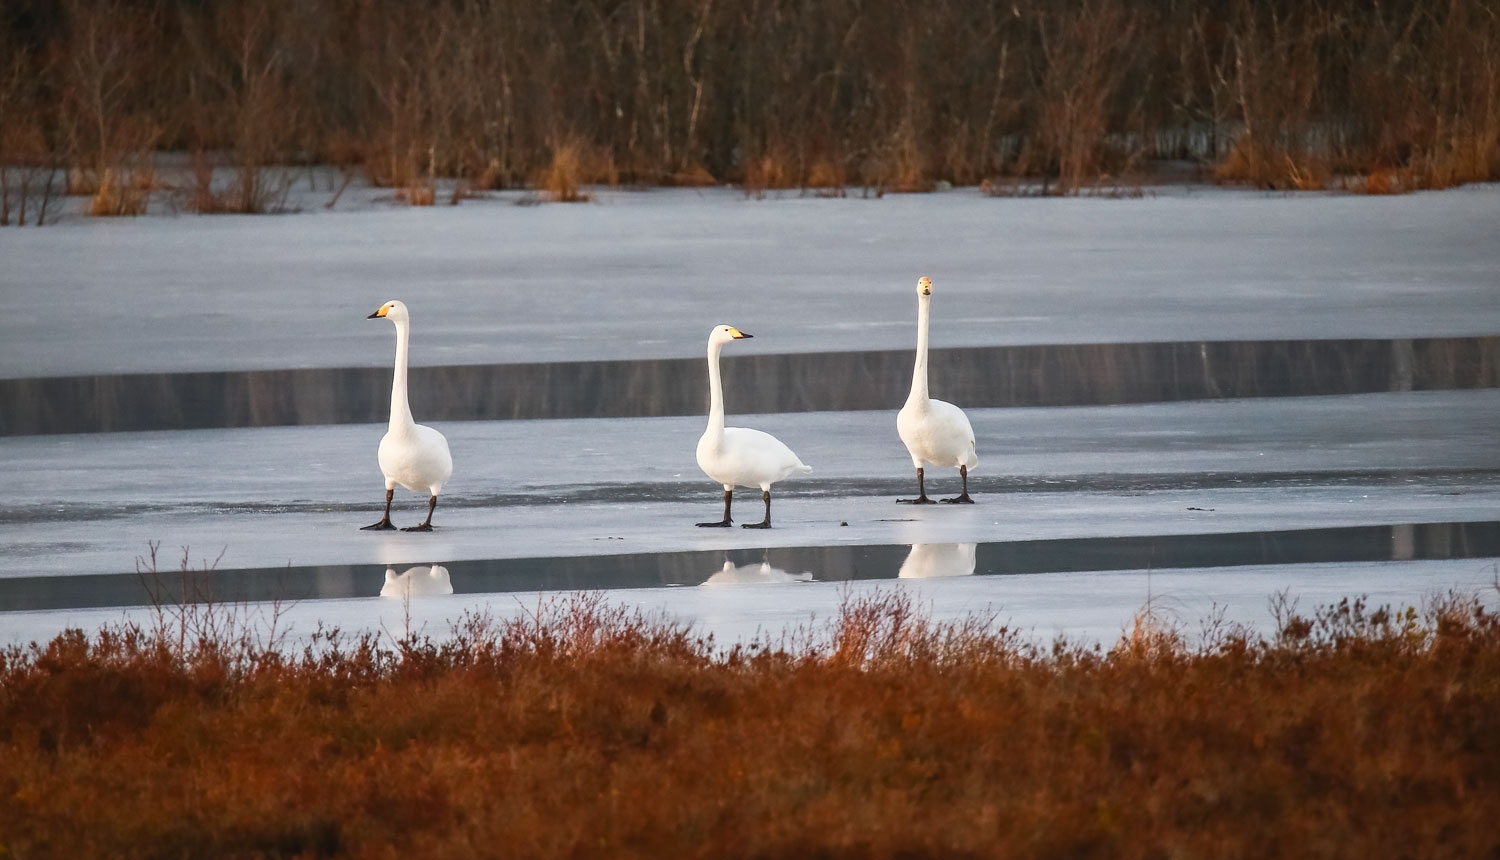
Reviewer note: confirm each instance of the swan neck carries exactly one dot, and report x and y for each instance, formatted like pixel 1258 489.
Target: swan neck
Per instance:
pixel 400 409
pixel 715 392
pixel 919 369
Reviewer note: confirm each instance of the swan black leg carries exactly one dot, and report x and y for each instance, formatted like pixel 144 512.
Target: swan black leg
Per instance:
pixel 961 498
pixel 765 523
pixel 426 525
pixel 726 522
pixel 385 521
pixel 921 498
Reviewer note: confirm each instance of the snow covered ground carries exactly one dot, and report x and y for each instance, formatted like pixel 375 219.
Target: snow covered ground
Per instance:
pixel 644 275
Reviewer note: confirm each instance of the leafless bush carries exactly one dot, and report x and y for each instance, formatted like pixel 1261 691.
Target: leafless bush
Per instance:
pixel 108 77
pixel 243 101
pixel 1086 51
pixel 29 169
pixel 189 622
pixel 1037 96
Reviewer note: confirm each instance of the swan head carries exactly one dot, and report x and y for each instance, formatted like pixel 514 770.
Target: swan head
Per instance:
pixel 726 333
pixel 392 310
pixel 924 286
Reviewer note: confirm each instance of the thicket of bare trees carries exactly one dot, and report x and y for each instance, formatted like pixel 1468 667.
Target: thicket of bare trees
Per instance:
pixel 889 94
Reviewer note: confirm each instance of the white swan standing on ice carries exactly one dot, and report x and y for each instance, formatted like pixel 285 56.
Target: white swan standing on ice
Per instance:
pixel 934 431
pixel 735 456
pixel 411 454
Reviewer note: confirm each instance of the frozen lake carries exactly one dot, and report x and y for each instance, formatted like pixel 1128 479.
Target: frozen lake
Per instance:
pixel 645 274
pixel 610 504
pixel 1392 495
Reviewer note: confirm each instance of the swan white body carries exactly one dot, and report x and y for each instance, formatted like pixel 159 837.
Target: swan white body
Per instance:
pixel 411 454
pixel 416 582
pixel 741 457
pixel 738 456
pixel 930 560
pixel 416 457
pixel 935 432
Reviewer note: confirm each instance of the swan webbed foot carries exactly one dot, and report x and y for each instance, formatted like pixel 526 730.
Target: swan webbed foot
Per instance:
pixel 958 500
pixel 765 496
pixel 385 519
pixel 424 527
pixel 726 522
pixel 923 500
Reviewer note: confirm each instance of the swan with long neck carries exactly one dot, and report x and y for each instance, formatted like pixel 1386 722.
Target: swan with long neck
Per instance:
pixel 411 454
pixel 736 456
pixel 934 431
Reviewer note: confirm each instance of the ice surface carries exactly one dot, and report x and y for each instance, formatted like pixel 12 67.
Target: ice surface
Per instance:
pixel 297 495
pixel 645 274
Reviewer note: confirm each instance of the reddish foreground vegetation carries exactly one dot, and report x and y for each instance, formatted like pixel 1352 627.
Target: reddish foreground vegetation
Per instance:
pixel 586 730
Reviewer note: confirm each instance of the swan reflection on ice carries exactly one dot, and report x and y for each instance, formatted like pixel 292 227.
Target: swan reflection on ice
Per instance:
pixel 742 574
pixel 928 560
pixel 416 582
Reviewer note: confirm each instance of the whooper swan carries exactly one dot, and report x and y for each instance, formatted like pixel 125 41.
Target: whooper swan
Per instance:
pixel 411 454
pixel 735 456
pixel 934 431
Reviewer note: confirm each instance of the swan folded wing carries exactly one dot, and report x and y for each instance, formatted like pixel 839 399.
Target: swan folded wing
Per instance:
pixel 751 458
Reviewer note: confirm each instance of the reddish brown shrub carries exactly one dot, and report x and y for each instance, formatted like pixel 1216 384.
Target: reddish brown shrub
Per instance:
pixel 582 728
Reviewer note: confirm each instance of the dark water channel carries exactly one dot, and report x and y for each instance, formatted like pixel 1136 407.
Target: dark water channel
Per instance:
pixel 821 563
pixel 976 377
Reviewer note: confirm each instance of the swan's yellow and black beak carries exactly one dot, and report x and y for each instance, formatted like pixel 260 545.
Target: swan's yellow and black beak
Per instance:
pixel 924 285
pixel 380 313
pixel 737 334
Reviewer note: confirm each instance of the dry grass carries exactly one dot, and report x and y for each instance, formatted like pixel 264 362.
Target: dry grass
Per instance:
pixel 574 164
pixel 693 176
pixel 1251 163
pixel 582 729
pixel 417 195
pixel 827 177
pixel 770 170
pixel 121 193
pixel 901 166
